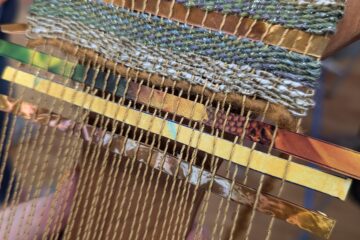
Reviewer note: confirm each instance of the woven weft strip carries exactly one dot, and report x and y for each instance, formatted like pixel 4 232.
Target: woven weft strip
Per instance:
pixel 317 17
pixel 181 38
pixel 215 75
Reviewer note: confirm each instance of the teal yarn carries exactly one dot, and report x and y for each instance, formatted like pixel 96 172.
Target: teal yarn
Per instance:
pixel 310 17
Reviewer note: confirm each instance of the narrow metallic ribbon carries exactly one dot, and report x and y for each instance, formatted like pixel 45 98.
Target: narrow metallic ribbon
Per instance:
pixel 335 158
pixel 291 39
pixel 14 28
pixel 238 154
pixel 311 221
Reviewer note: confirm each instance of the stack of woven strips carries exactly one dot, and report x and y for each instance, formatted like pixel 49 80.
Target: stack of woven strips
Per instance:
pixel 144 43
pixel 223 62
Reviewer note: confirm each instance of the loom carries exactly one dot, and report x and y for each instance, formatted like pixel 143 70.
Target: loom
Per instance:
pixel 156 119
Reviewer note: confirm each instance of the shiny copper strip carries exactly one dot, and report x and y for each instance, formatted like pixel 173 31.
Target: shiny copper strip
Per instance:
pixel 295 40
pixel 15 28
pixel 314 222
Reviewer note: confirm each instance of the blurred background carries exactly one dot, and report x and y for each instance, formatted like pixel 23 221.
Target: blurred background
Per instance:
pixel 336 119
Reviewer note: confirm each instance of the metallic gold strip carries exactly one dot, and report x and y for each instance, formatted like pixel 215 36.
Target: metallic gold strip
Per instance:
pixel 256 160
pixel 296 40
pixel 308 220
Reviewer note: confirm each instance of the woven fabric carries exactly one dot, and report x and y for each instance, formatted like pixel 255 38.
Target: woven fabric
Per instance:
pixel 215 75
pixel 180 38
pixel 317 17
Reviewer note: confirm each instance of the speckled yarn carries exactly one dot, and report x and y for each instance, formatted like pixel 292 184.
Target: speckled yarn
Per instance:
pixel 314 17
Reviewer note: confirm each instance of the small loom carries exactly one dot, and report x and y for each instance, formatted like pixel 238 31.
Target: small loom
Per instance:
pixel 156 119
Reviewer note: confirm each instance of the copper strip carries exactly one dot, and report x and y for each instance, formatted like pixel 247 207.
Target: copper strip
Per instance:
pixel 15 28
pixel 314 222
pixel 348 29
pixel 296 40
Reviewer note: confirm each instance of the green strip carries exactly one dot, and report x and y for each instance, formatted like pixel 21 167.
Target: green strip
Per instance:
pixel 41 60
pixel 60 67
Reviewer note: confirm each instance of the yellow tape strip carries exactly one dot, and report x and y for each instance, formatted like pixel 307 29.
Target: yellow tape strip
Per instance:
pixel 259 161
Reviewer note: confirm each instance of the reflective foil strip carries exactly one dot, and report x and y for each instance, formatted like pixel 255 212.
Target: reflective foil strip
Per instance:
pixel 238 154
pixel 311 221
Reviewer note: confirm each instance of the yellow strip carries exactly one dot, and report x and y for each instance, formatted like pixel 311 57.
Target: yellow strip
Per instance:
pixel 262 162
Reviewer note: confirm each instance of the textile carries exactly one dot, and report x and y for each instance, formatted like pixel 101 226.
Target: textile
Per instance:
pixel 182 38
pixel 319 17
pixel 148 43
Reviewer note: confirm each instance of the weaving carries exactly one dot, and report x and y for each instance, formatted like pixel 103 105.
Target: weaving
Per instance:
pixel 312 16
pixel 178 119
